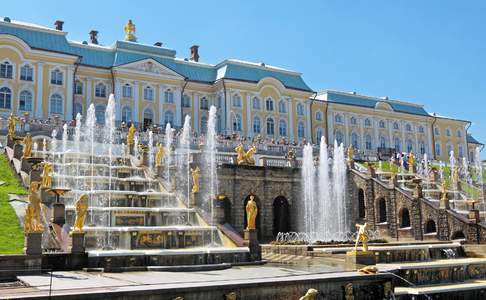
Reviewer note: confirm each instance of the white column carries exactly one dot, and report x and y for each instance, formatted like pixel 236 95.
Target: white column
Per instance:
pixel 40 87
pixel 291 119
pixel 178 102
pixel 248 116
pixel 89 83
pixel 196 112
pixel 330 126
pixel 136 101
pixel 309 119
pixel 69 101
pixel 117 93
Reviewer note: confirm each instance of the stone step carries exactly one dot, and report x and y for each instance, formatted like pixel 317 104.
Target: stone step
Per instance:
pixel 473 289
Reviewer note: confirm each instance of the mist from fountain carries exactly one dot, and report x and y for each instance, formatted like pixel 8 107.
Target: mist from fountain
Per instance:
pixel 168 148
pixel 185 159
pixel 110 128
pixel 151 150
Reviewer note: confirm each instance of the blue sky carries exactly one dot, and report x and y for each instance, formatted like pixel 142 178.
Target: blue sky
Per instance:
pixel 429 52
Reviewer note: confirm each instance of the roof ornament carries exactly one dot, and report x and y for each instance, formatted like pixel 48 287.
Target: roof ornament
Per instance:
pixel 130 32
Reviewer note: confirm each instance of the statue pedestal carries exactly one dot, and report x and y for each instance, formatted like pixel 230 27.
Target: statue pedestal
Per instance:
pixel 194 199
pixel 18 150
pixel 59 214
pixel 77 242
pixel 33 243
pixel 251 240
pixel 354 258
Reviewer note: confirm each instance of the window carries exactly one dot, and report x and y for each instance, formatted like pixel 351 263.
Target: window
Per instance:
pixel 219 101
pixel 409 146
pixel 282 107
pixel 25 101
pixel 169 96
pixel 168 117
pixel 186 101
pixel 100 114
pixel 396 126
pixel 368 143
pixel 422 148
pixel 318 116
pixel 437 149
pixel 126 114
pixel 270 126
pixel 354 140
pixel 367 122
pixel 269 104
pixel 382 142
pixel 448 132
pixel 148 117
pixel 301 130
pixel 236 100
pixel 318 134
pixel 6 70
pixel 56 104
pixel 397 145
pixel 78 87
pixel 459 133
pixel 256 125
pixel 338 118
pixel 78 109
pixel 204 124
pixel 353 121
pixel 436 131
pixel 56 77
pixel 127 91
pixel 461 151
pixel 236 122
pixel 5 97
pixel 100 90
pixel 300 109
pixel 26 73
pixel 282 128
pixel 382 124
pixel 204 103
pixel 421 129
pixel 408 127
pixel 148 93
pixel 256 103
pixel 339 137
pixel 450 149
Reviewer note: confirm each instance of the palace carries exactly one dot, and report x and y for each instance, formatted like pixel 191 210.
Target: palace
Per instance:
pixel 44 74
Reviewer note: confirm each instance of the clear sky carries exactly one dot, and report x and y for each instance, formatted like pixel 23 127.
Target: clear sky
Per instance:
pixel 429 52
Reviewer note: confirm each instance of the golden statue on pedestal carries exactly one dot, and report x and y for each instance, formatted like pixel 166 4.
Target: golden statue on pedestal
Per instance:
pixel 350 153
pixel 230 296
pixel 411 162
pixel 443 192
pixel 46 175
pixel 27 146
pixel 310 295
pixel 131 135
pixel 251 213
pixel 159 155
pixel 245 158
pixel 455 178
pixel 32 220
pixel 348 292
pixel 81 207
pixel 362 237
pixel 130 32
pixel 196 173
pixel 12 123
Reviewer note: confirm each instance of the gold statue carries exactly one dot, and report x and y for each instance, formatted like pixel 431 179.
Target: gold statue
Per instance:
pixel 130 32
pixel 196 173
pixel 350 153
pixel 310 295
pixel 230 296
pixel 348 292
pixel 411 162
pixel 443 192
pixel 32 221
pixel 46 175
pixel 12 123
pixel 131 135
pixel 362 237
pixel 27 146
pixel 251 213
pixel 81 207
pixel 159 155
pixel 368 270
pixel 245 158
pixel 455 178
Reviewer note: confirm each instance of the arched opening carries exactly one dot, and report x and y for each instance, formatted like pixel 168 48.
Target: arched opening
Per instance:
pixel 382 210
pixel 361 205
pixel 458 235
pixel 430 226
pixel 404 218
pixel 259 213
pixel 148 117
pixel 225 205
pixel 281 215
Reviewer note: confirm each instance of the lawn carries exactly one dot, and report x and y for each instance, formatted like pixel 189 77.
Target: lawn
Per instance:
pixel 11 233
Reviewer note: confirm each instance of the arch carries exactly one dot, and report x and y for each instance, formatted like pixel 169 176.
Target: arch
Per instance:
pixel 148 118
pixel 100 90
pixel 367 122
pixel 458 235
pixel 381 208
pixel 300 109
pixel 225 204
pixel 430 226
pixel 169 96
pixel 361 204
pixel 259 213
pixel 269 104
pixel 5 97
pixel 270 126
pixel 25 101
pixel 236 100
pixel 55 103
pixel 26 72
pixel 353 121
pixel 281 215
pixel 282 107
pixel 404 218
pixel 148 93
pixel 272 83
pixel 256 103
pixel 383 106
pixel 7 69
pixel 236 122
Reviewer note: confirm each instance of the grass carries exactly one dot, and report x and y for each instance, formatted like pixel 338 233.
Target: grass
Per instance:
pixel 11 233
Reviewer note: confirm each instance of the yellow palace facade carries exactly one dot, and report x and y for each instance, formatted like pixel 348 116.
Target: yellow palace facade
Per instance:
pixel 44 74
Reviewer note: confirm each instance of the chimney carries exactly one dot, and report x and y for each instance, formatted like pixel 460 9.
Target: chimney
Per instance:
pixel 93 36
pixel 158 44
pixel 195 53
pixel 59 24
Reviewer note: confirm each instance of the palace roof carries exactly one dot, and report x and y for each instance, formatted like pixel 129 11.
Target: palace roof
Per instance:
pixel 472 140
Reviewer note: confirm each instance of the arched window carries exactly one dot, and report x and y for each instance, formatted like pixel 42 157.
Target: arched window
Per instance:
pixel 396 126
pixel 355 140
pixel 186 101
pixel 236 100
pixel 382 142
pixel 56 104
pixel 148 93
pixel 100 90
pixel 409 146
pixel 367 122
pixel 78 87
pixel 382 217
pixel 282 128
pixel 404 217
pixel 204 124
pixel 421 129
pixel 256 125
pixel 269 104
pixel 338 118
pixel 78 108
pixel 148 118
pixel 422 147
pixel 282 107
pixel 5 97
pixel 449 149
pixel 25 101
pixel 318 116
pixel 256 103
pixel 100 114
pixel 408 127
pixel 318 134
pixel 236 122
pixel 368 143
pixel 168 117
pixel 301 130
pixel 126 114
pixel 127 91
pixel 461 151
pixel 437 149
pixel 169 96
pixel 26 73
pixel 300 109
pixel 339 137
pixel 448 132
pixel 397 144
pixel 353 121
pixel 382 124
pixel 436 131
pixel 270 126
pixel 6 70
pixel 204 103
pixel 459 133
pixel 56 77
pixel 430 226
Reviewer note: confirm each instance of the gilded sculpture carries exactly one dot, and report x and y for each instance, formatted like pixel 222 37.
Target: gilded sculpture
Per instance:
pixel 159 155
pixel 27 141
pixel 46 175
pixel 32 220
pixel 131 135
pixel 443 192
pixel 455 178
pixel 348 292
pixel 368 270
pixel 230 296
pixel 12 123
pixel 81 207
pixel 251 213
pixel 350 153
pixel 130 32
pixel 411 162
pixel 245 158
pixel 196 174
pixel 311 294
pixel 362 236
